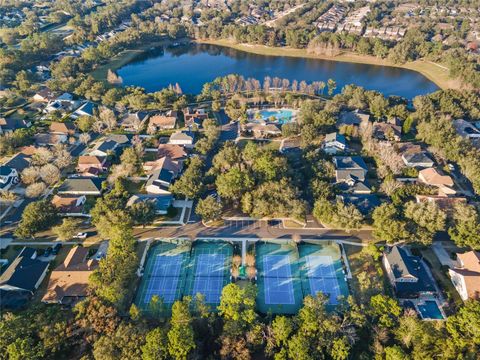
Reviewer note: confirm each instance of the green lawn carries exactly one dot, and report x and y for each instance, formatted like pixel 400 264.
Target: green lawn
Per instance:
pixel 267 144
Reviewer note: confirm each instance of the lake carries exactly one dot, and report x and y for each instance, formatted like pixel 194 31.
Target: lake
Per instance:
pixel 193 65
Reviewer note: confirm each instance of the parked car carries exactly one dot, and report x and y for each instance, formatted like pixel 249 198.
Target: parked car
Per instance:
pixel 56 248
pixel 81 235
pixel 48 252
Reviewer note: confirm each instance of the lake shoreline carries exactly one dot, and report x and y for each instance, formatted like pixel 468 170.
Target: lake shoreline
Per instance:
pixel 436 73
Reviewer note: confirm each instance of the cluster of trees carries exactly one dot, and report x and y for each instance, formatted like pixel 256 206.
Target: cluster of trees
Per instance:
pixel 45 169
pixel 419 222
pixel 37 216
pixel 377 329
pixel 256 180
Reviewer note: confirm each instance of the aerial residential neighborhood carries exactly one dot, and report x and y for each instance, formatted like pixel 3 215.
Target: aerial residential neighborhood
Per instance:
pixel 224 179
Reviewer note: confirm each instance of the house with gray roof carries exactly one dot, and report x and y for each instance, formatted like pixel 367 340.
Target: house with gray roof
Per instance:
pixel 22 278
pixel 160 181
pixel 347 167
pixel 81 186
pixel 9 124
pixel 352 118
pixel 417 159
pixel 407 274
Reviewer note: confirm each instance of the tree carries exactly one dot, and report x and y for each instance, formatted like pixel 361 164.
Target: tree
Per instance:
pixel 36 216
pixel 238 304
pixel 388 224
pixel 190 183
pixel 67 229
pixel 156 346
pixel 180 336
pixel 331 85
pixel 35 190
pixel 233 184
pixel 50 174
pixel 209 208
pixel 85 123
pixel 426 218
pixel 30 175
pixel 347 216
pixel 143 212
pixel 466 226
pixel 385 309
pixel 42 156
pixel 395 352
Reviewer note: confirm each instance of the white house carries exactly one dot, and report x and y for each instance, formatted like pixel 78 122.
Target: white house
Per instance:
pixel 466 277
pixel 334 143
pixel 181 138
pixel 8 177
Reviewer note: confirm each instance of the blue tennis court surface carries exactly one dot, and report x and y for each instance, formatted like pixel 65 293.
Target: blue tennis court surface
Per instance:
pixel 278 283
pixel 210 271
pixel 322 277
pixel 164 278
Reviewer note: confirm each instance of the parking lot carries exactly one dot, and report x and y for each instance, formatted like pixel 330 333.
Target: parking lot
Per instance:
pixel 253 224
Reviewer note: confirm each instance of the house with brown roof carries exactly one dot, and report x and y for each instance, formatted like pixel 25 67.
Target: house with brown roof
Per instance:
pixel 191 115
pixel 173 151
pixel 466 277
pixel 163 163
pixel 161 122
pixel 261 131
pixel 86 162
pixel 69 281
pixel 445 203
pixel 62 128
pixel 44 95
pixel 432 177
pixel 69 205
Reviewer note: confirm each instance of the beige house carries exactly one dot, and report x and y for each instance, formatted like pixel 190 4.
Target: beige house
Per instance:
pixel 160 122
pixel 69 281
pixel 466 277
pixel 432 177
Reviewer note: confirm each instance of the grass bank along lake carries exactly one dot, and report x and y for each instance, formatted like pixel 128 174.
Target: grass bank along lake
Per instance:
pixel 193 65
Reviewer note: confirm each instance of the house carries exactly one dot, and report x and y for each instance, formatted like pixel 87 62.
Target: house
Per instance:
pixel 184 138
pixel 62 128
pixel 20 161
pixel 364 202
pixel 22 278
pixel 261 131
pixel 81 186
pixel 104 148
pixel 334 143
pixel 45 139
pixel 349 167
pixel 290 145
pixel 352 118
pixel 44 95
pixel 161 202
pixel 8 177
pixel 86 162
pixel 163 163
pixel 69 281
pixel 133 122
pixel 9 124
pixel 444 202
pixel 86 109
pixel 407 274
pixel 432 177
pixel 191 116
pixel 161 122
pixel 466 129
pixel 63 103
pixel 417 159
pixel 466 277
pixel 174 152
pixel 69 205
pixel 159 182
pixel 388 131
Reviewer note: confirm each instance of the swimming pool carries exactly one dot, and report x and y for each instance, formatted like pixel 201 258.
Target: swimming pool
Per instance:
pixel 282 116
pixel 430 310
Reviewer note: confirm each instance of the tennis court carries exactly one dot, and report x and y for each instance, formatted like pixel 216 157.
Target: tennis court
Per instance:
pixel 279 285
pixel 322 271
pixel 210 270
pixel 164 274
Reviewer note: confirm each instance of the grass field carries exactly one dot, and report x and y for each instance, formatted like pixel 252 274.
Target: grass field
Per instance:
pixel 434 72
